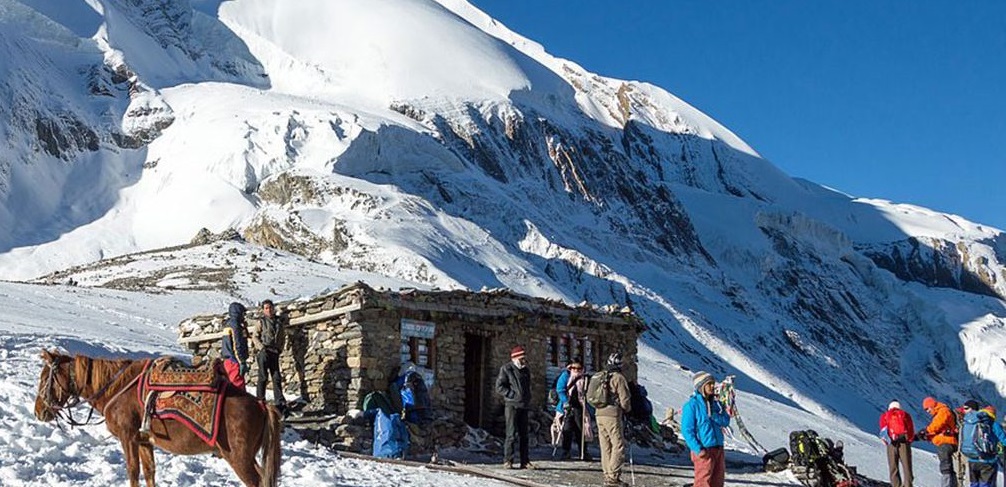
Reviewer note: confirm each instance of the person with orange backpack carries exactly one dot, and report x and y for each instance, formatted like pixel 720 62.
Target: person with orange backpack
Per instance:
pixel 942 431
pixel 898 432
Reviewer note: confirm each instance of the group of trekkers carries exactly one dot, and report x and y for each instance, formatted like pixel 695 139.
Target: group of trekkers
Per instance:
pixel 971 430
pixel 268 337
pixel 605 395
pixel 611 400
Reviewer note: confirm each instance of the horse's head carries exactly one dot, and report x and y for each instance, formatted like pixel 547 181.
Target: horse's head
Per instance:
pixel 56 385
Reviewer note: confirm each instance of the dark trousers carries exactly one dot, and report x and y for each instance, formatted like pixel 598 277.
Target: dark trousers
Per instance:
pixel 982 474
pixel 268 368
pixel 946 455
pixel 899 464
pixel 516 431
pixel 572 429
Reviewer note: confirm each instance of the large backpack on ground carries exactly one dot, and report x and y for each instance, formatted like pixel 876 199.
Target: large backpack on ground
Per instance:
pixel 978 442
pixel 804 447
pixel 599 389
pixel 776 460
pixel 391 437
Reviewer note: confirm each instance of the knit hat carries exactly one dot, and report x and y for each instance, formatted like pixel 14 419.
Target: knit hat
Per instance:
pixel 972 405
pixel 894 405
pixel 700 379
pixel 517 352
pixel 928 403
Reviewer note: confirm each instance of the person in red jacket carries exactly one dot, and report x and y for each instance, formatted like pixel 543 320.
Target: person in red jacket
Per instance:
pixel 898 432
pixel 942 431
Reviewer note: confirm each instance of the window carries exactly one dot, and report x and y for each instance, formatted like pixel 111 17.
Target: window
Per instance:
pixel 418 345
pixel 562 348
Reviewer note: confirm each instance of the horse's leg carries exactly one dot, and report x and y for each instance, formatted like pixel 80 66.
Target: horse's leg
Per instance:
pixel 242 460
pixel 131 448
pixel 147 461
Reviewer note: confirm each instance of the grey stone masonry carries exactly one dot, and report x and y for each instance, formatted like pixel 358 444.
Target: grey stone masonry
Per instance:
pixel 342 345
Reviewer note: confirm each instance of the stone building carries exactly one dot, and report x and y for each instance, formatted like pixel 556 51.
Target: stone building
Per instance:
pixel 342 345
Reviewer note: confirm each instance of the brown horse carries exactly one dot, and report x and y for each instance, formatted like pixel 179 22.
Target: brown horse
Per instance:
pixel 109 386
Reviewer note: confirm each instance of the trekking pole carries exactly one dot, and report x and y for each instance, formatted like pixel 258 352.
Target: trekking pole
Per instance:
pixel 632 466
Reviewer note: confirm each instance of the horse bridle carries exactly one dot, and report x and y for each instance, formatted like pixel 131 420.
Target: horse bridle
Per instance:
pixel 73 391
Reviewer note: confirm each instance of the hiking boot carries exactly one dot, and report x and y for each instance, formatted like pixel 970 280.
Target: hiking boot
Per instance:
pixel 528 465
pixel 508 464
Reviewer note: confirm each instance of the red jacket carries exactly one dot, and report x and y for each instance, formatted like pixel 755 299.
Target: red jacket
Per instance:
pixel 886 424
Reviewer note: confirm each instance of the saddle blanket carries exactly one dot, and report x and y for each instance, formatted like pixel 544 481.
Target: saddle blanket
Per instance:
pixel 171 374
pixel 191 401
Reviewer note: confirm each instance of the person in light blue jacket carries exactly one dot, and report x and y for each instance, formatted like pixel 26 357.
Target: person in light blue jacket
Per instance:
pixel 702 421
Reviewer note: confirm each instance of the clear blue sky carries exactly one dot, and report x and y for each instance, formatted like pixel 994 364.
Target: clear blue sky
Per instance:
pixel 900 100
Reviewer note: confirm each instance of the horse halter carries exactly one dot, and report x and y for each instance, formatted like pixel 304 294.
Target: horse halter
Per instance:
pixel 71 389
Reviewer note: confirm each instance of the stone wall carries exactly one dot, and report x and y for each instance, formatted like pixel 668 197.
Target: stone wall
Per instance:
pixel 343 345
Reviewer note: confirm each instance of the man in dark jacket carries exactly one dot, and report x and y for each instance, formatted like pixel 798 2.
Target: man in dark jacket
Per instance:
pixel 234 349
pixel 514 384
pixel 269 338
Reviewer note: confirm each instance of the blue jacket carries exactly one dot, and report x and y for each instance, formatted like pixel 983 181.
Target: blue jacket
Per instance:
pixel 560 387
pixel 235 345
pixel 700 427
pixel 997 431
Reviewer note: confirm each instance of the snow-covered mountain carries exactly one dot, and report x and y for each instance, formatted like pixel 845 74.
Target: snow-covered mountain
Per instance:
pixel 422 141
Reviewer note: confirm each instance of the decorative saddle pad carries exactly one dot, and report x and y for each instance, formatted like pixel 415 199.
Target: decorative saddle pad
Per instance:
pixel 170 374
pixel 191 400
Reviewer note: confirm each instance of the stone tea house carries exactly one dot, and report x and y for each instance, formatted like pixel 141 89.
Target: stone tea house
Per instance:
pixel 342 345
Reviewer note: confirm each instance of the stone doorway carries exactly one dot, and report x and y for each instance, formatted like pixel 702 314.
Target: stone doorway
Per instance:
pixel 478 378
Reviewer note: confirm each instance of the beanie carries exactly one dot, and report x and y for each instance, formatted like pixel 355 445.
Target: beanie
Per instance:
pixel 928 403
pixel 972 405
pixel 700 378
pixel 894 405
pixel 517 352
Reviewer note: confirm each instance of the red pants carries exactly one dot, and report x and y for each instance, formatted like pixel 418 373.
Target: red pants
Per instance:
pixel 234 373
pixel 711 470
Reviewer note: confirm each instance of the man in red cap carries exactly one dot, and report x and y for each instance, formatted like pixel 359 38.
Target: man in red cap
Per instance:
pixel 942 431
pixel 514 384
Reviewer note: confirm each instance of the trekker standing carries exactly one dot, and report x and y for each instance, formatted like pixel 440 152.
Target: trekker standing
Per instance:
pixel 514 384
pixel 981 436
pixel 234 349
pixel 898 432
pixel 702 421
pixel 572 405
pixel 269 338
pixel 611 421
pixel 942 431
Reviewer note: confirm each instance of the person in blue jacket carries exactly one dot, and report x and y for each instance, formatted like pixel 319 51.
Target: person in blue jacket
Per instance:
pixel 702 421
pixel 234 349
pixel 982 468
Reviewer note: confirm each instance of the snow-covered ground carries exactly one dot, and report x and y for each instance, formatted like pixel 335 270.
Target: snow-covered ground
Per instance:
pixel 117 323
pixel 112 323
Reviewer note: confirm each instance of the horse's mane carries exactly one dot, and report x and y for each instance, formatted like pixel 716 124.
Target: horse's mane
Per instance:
pixel 97 372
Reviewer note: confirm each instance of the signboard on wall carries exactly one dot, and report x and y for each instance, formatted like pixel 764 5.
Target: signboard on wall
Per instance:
pixel 418 329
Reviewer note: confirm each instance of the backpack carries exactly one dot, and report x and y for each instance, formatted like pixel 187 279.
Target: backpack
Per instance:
pixel 415 398
pixel 977 440
pixel 598 389
pixel 642 408
pixel 553 395
pixel 804 448
pixel 897 426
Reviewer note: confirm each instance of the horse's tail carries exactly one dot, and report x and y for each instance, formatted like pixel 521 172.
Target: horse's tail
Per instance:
pixel 271 451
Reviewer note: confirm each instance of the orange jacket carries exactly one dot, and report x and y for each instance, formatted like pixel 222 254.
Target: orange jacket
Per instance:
pixel 942 429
